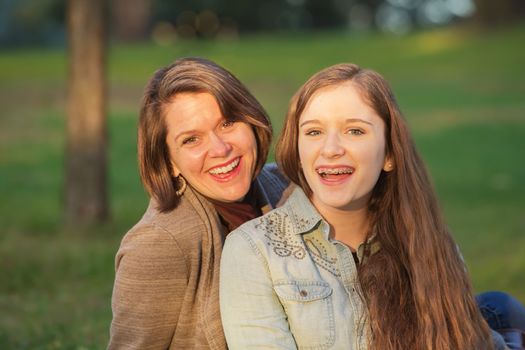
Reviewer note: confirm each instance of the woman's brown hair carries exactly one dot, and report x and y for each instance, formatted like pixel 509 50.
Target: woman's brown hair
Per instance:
pixel 191 75
pixel 416 287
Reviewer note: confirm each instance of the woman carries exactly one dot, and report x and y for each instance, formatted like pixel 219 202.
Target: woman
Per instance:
pixel 359 255
pixel 202 143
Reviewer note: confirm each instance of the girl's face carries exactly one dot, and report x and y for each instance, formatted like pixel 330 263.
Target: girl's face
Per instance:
pixel 217 157
pixel 341 148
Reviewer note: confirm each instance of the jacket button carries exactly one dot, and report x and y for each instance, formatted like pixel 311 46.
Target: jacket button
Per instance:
pixel 303 293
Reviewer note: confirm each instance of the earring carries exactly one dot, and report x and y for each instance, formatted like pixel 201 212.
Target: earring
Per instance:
pixel 182 185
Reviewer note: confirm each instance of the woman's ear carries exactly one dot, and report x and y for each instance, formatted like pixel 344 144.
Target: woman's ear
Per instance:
pixel 174 170
pixel 389 164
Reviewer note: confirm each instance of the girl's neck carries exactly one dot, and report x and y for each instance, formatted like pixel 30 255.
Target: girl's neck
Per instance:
pixel 349 226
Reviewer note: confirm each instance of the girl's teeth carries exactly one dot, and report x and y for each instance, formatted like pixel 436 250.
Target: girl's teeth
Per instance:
pixel 225 169
pixel 336 171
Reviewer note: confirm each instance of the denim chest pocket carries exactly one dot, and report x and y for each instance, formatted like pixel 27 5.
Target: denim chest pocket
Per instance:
pixel 309 308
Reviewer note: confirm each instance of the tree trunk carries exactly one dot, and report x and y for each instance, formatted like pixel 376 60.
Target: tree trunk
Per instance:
pixel 85 181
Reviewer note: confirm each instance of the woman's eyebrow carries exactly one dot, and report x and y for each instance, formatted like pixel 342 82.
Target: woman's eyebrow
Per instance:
pixel 192 131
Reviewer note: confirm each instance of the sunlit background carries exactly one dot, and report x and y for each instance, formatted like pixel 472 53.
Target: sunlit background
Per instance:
pixel 457 68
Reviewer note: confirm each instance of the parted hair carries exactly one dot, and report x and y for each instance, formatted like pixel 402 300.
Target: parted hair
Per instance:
pixel 416 287
pixel 191 75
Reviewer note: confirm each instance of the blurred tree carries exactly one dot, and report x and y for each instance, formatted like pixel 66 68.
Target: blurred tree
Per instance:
pixel 249 15
pixel 24 22
pixel 85 180
pixel 490 12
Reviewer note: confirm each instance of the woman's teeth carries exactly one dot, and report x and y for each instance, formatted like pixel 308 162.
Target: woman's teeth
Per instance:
pixel 225 169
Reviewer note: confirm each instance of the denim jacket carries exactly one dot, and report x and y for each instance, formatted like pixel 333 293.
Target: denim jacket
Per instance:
pixel 286 285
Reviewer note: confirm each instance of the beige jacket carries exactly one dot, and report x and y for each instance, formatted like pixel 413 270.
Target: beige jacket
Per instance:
pixel 166 292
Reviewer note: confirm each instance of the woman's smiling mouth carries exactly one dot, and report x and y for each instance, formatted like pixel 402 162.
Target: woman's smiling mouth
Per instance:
pixel 225 170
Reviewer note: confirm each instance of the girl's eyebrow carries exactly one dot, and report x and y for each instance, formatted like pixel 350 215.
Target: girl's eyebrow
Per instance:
pixel 348 120
pixel 311 121
pixel 353 120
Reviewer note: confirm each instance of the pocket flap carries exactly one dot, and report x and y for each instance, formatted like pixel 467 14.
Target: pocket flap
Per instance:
pixel 302 290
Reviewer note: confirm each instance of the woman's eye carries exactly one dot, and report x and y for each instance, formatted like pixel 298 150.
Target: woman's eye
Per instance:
pixel 355 132
pixel 189 140
pixel 228 123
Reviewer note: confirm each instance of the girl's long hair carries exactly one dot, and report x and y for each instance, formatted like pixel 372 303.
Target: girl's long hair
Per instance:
pixel 416 286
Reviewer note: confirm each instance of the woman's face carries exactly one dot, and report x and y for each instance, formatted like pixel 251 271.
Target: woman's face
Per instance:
pixel 216 157
pixel 341 148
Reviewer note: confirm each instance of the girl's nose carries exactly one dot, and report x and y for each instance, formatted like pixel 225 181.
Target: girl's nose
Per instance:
pixel 332 147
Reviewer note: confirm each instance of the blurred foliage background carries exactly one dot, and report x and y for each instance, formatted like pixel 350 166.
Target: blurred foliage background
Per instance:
pixel 456 66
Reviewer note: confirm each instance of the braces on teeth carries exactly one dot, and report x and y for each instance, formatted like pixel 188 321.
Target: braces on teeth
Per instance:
pixel 335 171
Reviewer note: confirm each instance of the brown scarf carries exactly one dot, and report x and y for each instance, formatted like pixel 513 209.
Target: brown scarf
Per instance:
pixel 235 214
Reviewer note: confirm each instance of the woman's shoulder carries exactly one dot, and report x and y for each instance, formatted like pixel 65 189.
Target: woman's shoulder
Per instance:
pixel 157 229
pixel 147 239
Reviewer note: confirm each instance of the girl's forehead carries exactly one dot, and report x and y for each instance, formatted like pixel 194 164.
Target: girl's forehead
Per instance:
pixel 341 99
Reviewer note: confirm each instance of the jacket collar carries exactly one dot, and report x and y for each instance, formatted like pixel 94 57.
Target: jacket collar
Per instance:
pixel 304 216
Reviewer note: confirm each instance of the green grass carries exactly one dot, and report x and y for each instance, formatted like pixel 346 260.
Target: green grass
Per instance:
pixel 462 92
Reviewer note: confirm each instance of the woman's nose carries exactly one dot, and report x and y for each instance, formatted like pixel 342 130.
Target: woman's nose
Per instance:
pixel 332 147
pixel 219 147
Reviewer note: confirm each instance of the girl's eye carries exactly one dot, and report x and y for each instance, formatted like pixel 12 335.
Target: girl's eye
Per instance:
pixel 312 133
pixel 355 132
pixel 189 140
